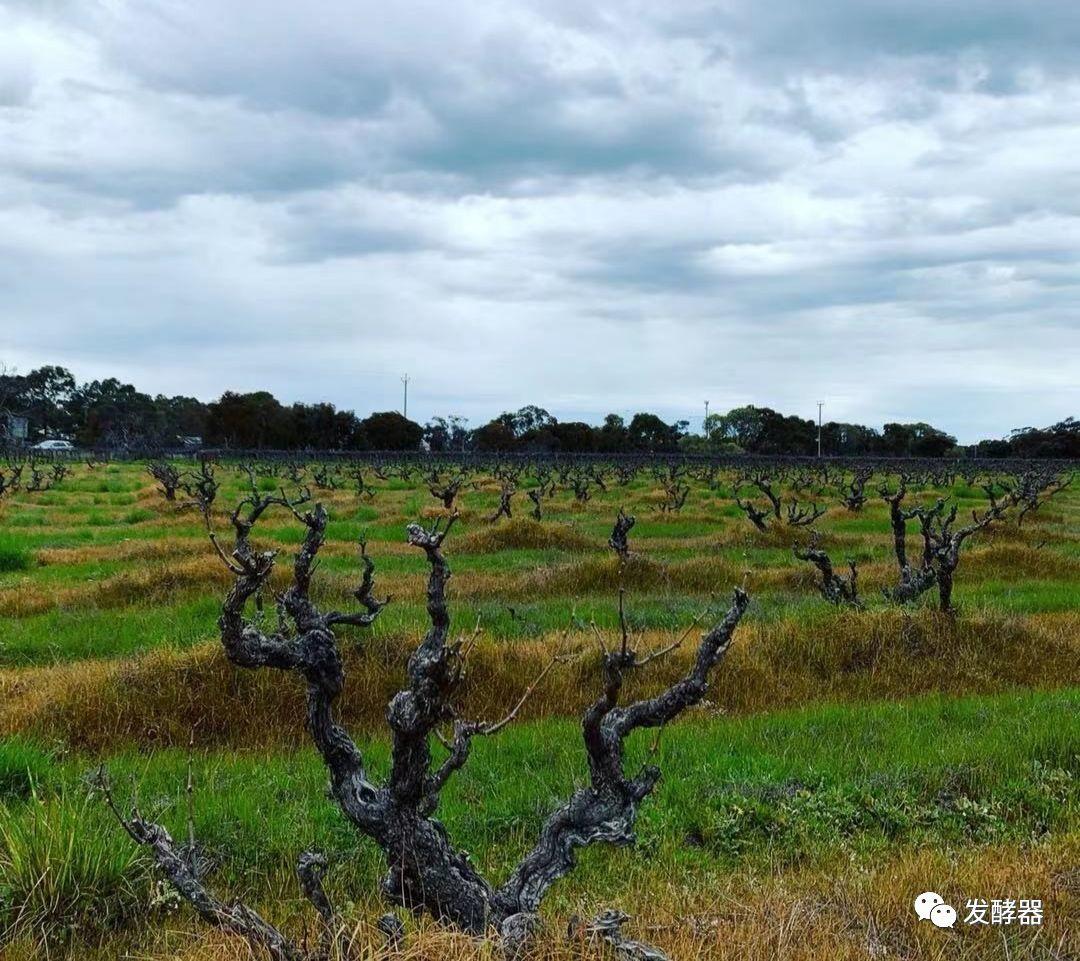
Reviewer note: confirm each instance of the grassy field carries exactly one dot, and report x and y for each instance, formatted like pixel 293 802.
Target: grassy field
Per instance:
pixel 845 761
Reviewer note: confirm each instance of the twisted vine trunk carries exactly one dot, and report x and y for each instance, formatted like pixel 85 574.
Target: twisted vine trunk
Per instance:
pixel 426 873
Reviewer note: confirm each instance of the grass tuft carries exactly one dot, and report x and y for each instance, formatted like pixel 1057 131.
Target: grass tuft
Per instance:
pixel 63 868
pixel 14 557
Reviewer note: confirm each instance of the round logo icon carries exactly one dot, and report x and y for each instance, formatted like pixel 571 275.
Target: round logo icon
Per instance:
pixel 925 903
pixel 943 915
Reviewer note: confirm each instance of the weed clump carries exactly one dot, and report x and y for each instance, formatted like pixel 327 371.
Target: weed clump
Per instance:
pixel 62 870
pixel 14 557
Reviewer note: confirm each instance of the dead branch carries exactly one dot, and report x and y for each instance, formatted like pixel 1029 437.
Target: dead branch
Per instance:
pixel 619 541
pixel 835 588
pixel 759 518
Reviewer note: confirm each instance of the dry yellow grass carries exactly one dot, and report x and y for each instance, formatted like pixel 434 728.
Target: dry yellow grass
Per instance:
pixel 158 549
pixel 158 697
pixel 1015 561
pixel 190 576
pixel 174 574
pixel 843 911
pixel 524 532
pixel 147 584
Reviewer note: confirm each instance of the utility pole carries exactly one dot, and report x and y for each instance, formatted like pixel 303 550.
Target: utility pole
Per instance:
pixel 405 400
pixel 820 404
pixel 705 422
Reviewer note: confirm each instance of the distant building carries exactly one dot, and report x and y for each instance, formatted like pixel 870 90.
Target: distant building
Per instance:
pixel 192 440
pixel 14 427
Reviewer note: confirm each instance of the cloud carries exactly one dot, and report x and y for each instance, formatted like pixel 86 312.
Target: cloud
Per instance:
pixel 611 206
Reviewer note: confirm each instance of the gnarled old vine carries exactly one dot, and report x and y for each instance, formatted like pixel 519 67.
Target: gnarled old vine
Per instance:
pixel 426 872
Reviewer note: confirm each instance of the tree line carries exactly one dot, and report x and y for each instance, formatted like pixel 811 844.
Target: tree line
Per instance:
pixel 111 414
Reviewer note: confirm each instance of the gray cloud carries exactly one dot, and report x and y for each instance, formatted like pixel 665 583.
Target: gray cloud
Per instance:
pixel 617 205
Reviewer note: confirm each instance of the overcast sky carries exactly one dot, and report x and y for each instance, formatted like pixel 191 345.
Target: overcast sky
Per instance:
pixel 591 206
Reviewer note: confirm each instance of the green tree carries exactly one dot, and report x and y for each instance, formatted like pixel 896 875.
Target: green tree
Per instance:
pixel 648 432
pixel 47 392
pixel 109 413
pixel 742 426
pixel 931 442
pixel 389 430
pixel 613 437
pixel 849 440
pixel 915 440
pixel 323 427
pixel 526 419
pixel 255 419
pixel 1059 440
pixel 494 436
pixel 446 434
pixel 181 416
pixel 574 436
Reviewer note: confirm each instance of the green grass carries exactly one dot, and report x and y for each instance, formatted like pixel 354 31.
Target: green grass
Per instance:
pixel 62 575
pixel 14 556
pixel 22 765
pixel 785 788
pixel 64 635
pixel 62 870
pixel 74 634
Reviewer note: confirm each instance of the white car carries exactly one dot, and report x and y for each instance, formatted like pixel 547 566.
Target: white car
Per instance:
pixel 54 445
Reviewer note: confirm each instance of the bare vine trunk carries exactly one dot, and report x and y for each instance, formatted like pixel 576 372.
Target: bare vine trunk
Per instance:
pixel 426 872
